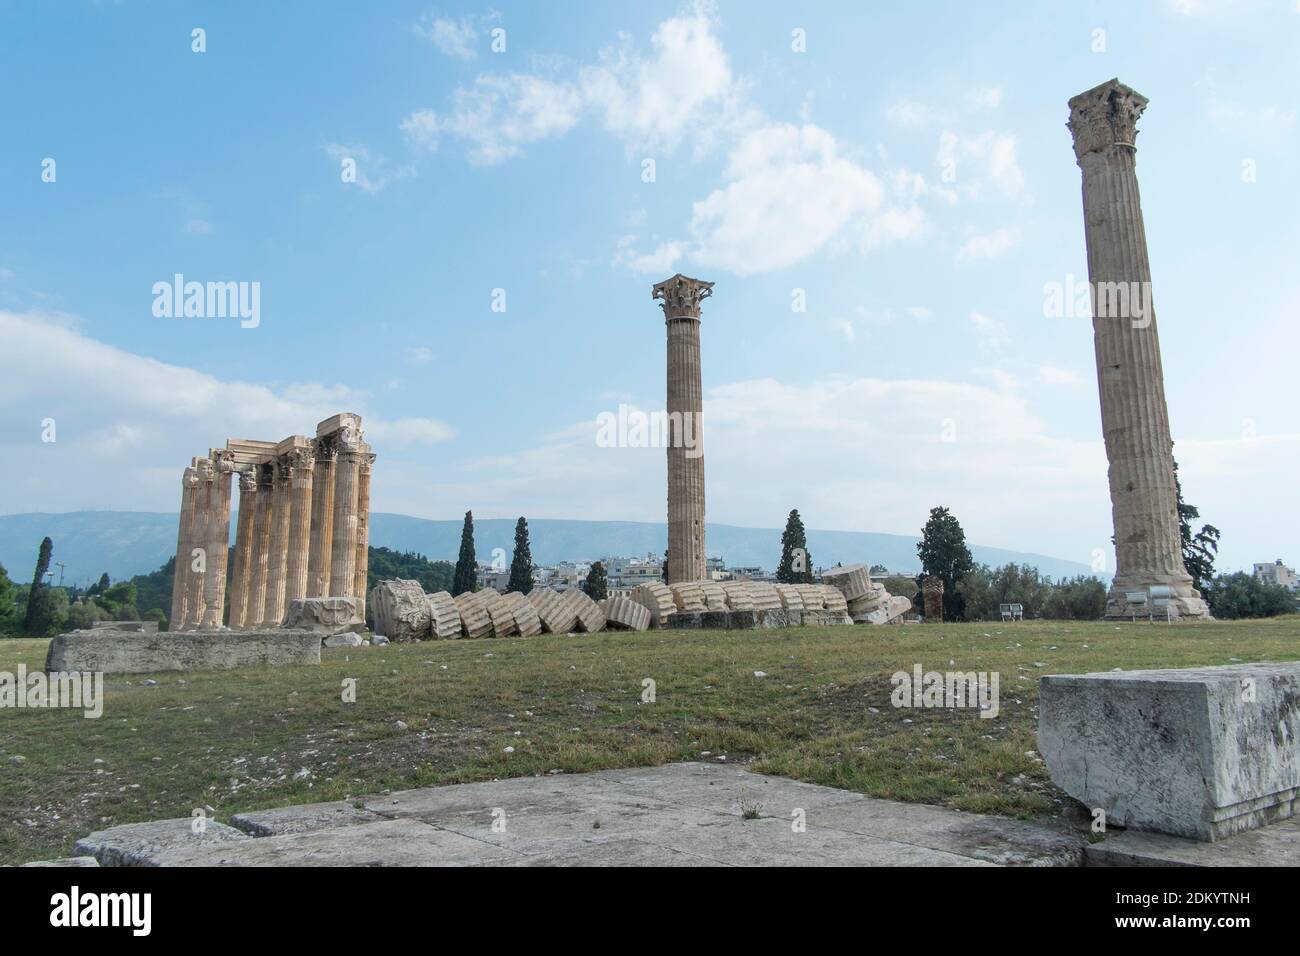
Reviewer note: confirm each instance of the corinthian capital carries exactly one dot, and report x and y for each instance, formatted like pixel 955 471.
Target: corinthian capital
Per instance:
pixel 1105 116
pixel 247 481
pixel 682 296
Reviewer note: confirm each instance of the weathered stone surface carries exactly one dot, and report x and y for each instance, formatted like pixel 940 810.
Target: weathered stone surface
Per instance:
pixel 765 596
pixel 590 617
pixel 444 616
pixel 715 598
pixel 385 843
pixel 625 614
pixel 688 597
pixel 681 297
pixel 138 844
pixel 131 652
pixel 932 592
pixel 738 595
pixel 771 617
pixel 326 615
pixel 814 598
pixel 401 610
pixel 503 621
pixel 143 627
pixel 302 819
pixel 1277 844
pixel 715 620
pixel 889 610
pixel 474 619
pixel 70 861
pixel 657 599
pixel 833 600
pixel 853 580
pixel 556 614
pixel 1200 752
pixel 1134 414
pixel 790 597
pixel 527 623
pixel 344 640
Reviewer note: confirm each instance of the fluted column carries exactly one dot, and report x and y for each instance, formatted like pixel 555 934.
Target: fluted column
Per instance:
pixel 362 565
pixel 260 558
pixel 1135 418
pixel 277 561
pixel 343 555
pixel 218 541
pixel 302 467
pixel 322 517
pixel 184 532
pixel 204 509
pixel 239 578
pixel 681 304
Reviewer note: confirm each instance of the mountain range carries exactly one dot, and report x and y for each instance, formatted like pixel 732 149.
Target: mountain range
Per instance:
pixel 125 543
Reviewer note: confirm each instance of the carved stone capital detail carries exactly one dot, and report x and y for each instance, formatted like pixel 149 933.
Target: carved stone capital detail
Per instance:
pixel 1104 117
pixel 682 296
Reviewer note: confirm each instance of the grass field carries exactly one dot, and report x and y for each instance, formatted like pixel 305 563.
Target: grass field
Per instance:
pixel 239 740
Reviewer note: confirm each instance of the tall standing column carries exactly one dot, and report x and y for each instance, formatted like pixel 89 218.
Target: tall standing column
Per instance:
pixel 198 566
pixel 184 532
pixel 322 517
pixel 277 561
pixel 343 556
pixel 1135 418
pixel 239 577
pixel 362 566
pixel 260 557
pixel 681 297
pixel 218 541
pixel 302 467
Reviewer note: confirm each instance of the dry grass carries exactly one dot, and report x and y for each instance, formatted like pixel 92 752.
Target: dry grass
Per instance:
pixel 239 740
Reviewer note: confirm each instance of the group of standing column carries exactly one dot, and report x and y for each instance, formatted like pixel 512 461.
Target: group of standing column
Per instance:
pixel 302 531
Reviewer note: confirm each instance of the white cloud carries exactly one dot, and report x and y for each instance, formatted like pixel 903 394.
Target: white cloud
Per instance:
pixel 198 227
pixel 992 332
pixel 663 259
pixel 986 246
pixel 455 38
pixel 418 354
pixel 136 422
pixel 984 166
pixel 500 114
pixel 790 191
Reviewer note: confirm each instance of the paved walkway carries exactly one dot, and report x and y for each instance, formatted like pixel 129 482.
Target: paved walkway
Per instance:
pixel 688 814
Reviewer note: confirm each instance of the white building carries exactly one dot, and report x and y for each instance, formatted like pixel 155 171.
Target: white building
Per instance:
pixel 1279 574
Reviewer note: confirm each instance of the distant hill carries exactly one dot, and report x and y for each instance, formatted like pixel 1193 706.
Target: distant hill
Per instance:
pixel 125 543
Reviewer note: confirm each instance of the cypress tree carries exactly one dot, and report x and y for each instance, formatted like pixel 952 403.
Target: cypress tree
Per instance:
pixel 466 564
pixel 794 570
pixel 597 585
pixel 943 553
pixel 521 565
pixel 37 622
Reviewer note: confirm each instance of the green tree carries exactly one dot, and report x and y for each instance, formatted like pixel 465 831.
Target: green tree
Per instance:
pixel 1080 598
pixel 597 584
pixel 795 566
pixel 1240 595
pixel 466 564
pixel 943 553
pixel 664 576
pixel 386 564
pixel 38 610
pixel 1199 549
pixel 98 587
pixel 521 564
pixel 6 601
pixel 82 616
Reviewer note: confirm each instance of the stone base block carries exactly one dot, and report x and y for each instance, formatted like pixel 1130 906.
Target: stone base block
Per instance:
pixel 853 580
pixel 1203 752
pixel 135 652
pixel 1161 599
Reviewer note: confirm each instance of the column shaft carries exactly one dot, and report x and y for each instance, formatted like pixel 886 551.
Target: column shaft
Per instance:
pixel 322 518
pixel 218 542
pixel 277 561
pixel 301 472
pixel 1130 377
pixel 343 557
pixel 239 579
pixel 197 566
pixel 260 557
pixel 185 529
pixel 362 565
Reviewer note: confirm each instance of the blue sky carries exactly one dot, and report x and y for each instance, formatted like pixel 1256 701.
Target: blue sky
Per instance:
pixel 923 370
